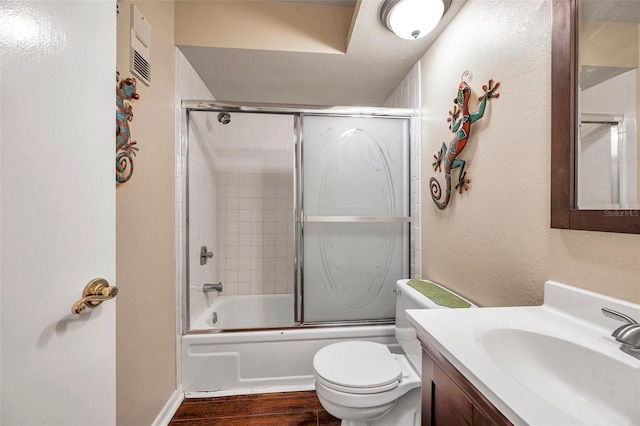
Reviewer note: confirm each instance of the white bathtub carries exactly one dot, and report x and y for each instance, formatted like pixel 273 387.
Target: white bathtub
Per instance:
pixel 250 311
pixel 240 362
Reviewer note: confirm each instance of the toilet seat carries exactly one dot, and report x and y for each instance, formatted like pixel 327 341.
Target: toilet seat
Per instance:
pixel 357 367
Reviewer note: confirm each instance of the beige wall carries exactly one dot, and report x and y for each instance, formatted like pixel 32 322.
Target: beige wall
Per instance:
pixel 493 244
pixel 254 24
pixel 146 324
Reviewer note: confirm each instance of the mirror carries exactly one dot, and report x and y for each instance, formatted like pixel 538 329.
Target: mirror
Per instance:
pixel 595 77
pixel 607 91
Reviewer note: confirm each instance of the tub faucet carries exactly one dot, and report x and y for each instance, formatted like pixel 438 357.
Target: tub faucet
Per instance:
pixel 207 288
pixel 627 334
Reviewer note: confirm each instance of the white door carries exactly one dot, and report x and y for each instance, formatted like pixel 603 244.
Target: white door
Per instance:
pixel 57 111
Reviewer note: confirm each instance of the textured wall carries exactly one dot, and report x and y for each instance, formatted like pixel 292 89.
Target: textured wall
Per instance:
pixel 493 244
pixel 145 260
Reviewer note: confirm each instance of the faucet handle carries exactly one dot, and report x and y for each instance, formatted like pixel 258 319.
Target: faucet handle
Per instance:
pixel 618 316
pixel 631 324
pixel 628 334
pixel 205 255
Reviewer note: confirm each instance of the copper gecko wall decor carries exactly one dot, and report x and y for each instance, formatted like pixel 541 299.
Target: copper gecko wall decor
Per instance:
pixel 125 147
pixel 461 127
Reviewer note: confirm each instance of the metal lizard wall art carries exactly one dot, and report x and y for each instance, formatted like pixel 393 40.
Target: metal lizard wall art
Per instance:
pixel 461 127
pixel 125 148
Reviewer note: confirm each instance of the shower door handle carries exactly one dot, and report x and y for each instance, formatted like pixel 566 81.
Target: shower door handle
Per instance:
pixel 356 219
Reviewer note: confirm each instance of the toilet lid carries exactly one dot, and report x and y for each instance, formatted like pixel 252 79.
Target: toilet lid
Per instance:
pixel 359 365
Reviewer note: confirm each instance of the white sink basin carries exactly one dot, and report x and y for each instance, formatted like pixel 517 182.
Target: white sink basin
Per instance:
pixel 593 387
pixel 554 364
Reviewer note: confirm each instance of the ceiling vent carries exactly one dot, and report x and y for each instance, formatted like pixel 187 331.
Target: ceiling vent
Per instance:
pixel 140 60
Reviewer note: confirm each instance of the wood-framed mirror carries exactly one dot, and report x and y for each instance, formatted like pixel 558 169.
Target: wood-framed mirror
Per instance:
pixel 566 211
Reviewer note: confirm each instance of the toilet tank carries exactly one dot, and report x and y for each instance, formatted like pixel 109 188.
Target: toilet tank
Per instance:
pixel 409 298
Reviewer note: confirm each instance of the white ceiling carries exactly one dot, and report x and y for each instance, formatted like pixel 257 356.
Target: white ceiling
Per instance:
pixel 376 61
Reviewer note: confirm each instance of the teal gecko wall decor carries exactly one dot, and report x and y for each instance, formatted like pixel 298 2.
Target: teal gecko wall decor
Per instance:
pixel 460 121
pixel 125 147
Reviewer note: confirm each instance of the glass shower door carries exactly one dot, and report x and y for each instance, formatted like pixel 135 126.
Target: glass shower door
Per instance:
pixel 354 216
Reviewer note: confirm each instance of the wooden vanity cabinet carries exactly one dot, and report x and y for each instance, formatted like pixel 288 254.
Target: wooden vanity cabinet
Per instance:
pixel 448 398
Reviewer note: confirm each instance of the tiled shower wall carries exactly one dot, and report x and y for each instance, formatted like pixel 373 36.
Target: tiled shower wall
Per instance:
pixel 188 86
pixel 203 193
pixel 616 96
pixel 240 199
pixel 407 95
pixel 255 203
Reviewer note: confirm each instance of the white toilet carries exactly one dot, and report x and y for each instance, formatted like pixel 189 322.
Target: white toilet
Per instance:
pixel 364 384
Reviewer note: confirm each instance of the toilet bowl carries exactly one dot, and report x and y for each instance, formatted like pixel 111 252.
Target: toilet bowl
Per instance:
pixel 364 383
pixel 360 381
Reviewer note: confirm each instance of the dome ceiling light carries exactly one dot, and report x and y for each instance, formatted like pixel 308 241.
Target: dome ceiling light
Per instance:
pixel 412 19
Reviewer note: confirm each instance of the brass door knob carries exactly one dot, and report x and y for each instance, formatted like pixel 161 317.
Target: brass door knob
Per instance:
pixel 96 292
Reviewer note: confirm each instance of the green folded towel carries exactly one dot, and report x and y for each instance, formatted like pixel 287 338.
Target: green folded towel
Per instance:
pixel 438 294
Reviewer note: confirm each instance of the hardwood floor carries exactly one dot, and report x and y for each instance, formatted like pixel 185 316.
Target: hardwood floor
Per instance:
pixel 269 409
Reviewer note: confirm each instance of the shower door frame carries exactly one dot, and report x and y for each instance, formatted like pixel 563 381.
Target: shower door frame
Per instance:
pixel 297 111
pixel 616 144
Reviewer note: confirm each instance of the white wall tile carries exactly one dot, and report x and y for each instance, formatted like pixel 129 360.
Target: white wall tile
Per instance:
pixel 203 213
pixel 407 95
pixel 249 221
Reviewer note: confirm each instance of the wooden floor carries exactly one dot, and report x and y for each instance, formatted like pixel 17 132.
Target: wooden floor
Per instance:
pixel 281 409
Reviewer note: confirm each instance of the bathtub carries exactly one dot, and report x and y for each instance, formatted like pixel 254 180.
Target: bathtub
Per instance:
pixel 251 311
pixel 219 362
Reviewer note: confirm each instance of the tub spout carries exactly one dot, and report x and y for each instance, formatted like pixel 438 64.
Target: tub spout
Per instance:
pixel 207 288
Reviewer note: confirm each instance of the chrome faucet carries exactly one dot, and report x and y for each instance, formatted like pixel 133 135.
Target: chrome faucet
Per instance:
pixel 205 255
pixel 627 334
pixel 207 288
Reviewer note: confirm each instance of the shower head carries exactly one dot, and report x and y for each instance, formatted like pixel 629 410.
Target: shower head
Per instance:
pixel 224 118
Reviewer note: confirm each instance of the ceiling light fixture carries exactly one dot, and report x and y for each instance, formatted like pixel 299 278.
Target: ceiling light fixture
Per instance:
pixel 412 19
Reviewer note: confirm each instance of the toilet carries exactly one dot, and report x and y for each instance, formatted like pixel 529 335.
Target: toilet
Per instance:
pixel 364 383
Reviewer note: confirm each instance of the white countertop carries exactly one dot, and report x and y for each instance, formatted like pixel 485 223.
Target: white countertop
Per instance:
pixel 515 356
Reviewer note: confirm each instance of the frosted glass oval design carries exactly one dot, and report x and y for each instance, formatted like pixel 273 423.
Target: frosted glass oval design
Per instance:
pixel 354 166
pixel 356 177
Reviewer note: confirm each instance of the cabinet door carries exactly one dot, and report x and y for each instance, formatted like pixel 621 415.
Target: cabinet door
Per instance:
pixel 449 399
pixel 450 405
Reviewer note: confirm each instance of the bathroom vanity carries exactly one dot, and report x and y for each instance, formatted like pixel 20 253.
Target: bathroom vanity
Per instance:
pixel 448 398
pixel 555 364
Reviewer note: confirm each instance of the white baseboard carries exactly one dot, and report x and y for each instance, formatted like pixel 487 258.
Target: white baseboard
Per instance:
pixel 170 408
